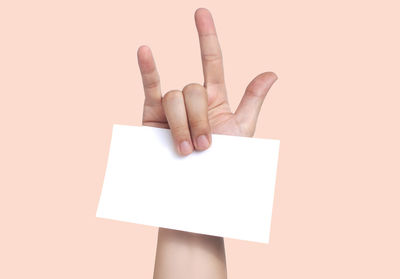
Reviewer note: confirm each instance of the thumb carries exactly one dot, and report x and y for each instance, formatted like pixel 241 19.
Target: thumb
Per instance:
pixel 249 108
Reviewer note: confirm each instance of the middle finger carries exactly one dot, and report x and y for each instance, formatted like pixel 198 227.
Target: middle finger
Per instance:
pixel 195 96
pixel 175 112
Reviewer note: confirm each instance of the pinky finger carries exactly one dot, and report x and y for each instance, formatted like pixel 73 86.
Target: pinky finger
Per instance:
pixel 150 76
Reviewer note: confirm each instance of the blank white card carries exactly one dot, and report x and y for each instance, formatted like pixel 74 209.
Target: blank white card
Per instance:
pixel 227 190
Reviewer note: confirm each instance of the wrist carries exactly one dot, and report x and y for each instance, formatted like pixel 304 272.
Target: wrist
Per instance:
pixel 192 239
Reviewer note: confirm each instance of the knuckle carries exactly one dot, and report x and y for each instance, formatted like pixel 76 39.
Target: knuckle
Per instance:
pixel 246 129
pixel 255 93
pixel 172 94
pixel 151 83
pixel 212 58
pixel 193 87
pixel 200 125
pixel 180 132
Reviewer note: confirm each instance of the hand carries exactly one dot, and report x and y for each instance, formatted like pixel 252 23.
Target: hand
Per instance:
pixel 199 110
pixel 192 115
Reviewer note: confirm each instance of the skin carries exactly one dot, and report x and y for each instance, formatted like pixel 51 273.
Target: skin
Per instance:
pixel 193 114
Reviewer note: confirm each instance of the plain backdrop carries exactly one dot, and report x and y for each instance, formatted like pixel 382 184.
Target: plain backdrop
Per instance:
pixel 68 71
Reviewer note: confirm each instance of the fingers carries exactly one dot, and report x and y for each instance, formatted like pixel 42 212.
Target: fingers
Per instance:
pixel 187 116
pixel 211 55
pixel 195 97
pixel 175 111
pixel 150 77
pixel 249 108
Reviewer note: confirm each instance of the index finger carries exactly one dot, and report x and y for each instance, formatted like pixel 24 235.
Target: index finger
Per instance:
pixel 211 55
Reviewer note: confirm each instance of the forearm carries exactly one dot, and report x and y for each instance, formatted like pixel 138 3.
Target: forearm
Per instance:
pixel 188 255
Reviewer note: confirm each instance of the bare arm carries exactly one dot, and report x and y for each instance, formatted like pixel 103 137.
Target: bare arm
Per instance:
pixel 193 114
pixel 189 255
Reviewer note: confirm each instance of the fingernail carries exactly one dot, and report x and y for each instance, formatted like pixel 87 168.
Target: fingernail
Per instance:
pixel 202 142
pixel 185 148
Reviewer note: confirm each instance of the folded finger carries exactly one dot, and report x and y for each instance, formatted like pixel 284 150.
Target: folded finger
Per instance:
pixel 175 112
pixel 195 97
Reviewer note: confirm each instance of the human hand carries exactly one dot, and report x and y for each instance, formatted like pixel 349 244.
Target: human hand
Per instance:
pixel 199 110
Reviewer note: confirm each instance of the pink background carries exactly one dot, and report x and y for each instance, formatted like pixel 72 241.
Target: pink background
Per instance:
pixel 68 71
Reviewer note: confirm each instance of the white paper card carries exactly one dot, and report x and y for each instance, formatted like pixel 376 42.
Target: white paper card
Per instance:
pixel 227 190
